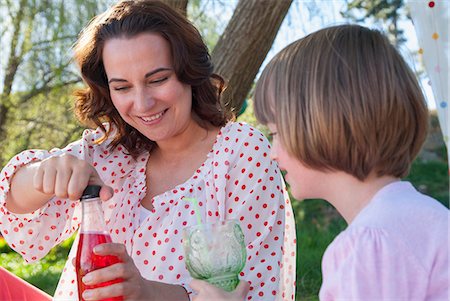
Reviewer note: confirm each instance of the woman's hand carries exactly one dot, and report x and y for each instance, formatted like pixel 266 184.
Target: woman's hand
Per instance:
pixel 132 285
pixel 66 176
pixel 207 292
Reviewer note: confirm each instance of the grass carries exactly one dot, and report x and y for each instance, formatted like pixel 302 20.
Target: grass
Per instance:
pixel 317 225
pixel 431 178
pixel 314 233
pixel 43 274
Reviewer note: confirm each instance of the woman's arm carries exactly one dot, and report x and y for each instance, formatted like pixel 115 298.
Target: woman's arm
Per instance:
pixel 51 219
pixel 64 176
pixel 22 188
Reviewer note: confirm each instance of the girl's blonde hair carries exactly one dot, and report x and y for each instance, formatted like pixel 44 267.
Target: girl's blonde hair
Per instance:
pixel 344 99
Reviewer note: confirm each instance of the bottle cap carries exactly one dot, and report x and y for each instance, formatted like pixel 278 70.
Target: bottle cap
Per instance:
pixel 91 191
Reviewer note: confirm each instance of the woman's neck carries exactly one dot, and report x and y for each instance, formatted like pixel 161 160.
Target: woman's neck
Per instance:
pixel 191 139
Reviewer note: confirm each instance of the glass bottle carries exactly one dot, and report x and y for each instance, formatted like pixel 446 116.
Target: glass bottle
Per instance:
pixel 93 232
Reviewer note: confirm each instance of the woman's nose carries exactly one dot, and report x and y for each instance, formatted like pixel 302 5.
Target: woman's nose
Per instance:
pixel 144 100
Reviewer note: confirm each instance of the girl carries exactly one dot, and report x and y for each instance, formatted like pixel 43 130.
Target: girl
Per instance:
pixel 348 118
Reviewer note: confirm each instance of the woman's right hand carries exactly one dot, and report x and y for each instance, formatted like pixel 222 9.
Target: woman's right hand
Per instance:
pixel 66 176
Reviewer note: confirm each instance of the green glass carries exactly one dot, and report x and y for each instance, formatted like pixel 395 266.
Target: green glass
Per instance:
pixel 215 253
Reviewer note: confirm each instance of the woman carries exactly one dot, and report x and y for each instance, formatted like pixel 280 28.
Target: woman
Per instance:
pixel 161 135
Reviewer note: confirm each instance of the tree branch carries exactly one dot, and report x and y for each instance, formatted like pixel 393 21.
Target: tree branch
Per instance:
pixel 179 5
pixel 46 88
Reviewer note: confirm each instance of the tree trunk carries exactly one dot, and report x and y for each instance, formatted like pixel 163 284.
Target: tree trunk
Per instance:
pixel 243 46
pixel 179 5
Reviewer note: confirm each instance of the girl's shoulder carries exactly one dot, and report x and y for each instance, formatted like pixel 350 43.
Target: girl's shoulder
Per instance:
pixel 359 246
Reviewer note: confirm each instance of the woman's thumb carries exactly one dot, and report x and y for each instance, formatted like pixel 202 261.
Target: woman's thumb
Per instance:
pixel 198 285
pixel 242 288
pixel 106 192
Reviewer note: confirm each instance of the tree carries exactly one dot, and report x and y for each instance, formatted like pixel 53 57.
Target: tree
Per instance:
pixel 36 61
pixel 387 11
pixel 180 5
pixel 243 46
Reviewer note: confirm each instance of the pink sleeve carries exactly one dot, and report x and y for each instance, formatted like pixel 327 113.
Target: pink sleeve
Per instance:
pixel 15 288
pixel 33 235
pixel 367 264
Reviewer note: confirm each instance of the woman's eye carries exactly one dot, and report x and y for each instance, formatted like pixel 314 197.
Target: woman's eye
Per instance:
pixel 120 88
pixel 160 80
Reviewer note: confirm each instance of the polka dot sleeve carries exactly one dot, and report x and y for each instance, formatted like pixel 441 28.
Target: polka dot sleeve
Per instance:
pixel 255 195
pixel 33 235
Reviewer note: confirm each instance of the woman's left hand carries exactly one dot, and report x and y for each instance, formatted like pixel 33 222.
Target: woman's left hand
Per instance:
pixel 206 291
pixel 130 288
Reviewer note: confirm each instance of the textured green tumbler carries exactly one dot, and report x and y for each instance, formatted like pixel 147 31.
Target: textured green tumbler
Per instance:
pixel 215 253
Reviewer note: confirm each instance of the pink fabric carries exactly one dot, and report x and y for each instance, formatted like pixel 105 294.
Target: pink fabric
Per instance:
pixel 13 288
pixel 237 181
pixel 397 248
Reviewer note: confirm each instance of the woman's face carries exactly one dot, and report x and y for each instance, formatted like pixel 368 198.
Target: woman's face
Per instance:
pixel 305 182
pixel 144 87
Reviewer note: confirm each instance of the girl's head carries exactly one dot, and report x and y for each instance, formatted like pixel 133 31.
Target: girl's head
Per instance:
pixel 343 99
pixel 190 58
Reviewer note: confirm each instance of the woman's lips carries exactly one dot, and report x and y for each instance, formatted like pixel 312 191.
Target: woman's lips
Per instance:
pixel 153 118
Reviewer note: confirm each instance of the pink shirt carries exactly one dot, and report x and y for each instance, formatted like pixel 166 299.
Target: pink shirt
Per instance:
pixel 397 248
pixel 236 181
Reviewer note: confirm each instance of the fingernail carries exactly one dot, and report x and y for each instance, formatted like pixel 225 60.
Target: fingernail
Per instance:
pixel 87 279
pixel 98 249
pixel 87 295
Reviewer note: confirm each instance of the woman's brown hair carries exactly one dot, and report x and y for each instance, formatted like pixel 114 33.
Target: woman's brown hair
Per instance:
pixel 192 65
pixel 344 99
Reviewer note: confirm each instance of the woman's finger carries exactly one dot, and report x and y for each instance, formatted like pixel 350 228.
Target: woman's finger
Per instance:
pixel 117 271
pixel 106 193
pixel 206 291
pixel 78 182
pixel 62 182
pixel 48 181
pixel 110 291
pixel 114 249
pixel 242 288
pixel 199 285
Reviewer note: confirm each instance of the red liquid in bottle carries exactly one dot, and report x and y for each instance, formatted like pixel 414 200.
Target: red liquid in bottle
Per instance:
pixel 86 261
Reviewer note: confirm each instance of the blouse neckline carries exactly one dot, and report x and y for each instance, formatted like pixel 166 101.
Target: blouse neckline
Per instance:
pixel 143 159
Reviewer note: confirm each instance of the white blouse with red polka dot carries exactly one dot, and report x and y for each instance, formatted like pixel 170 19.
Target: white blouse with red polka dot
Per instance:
pixel 237 181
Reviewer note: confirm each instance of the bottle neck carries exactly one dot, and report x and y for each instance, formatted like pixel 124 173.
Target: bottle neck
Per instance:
pixel 92 219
